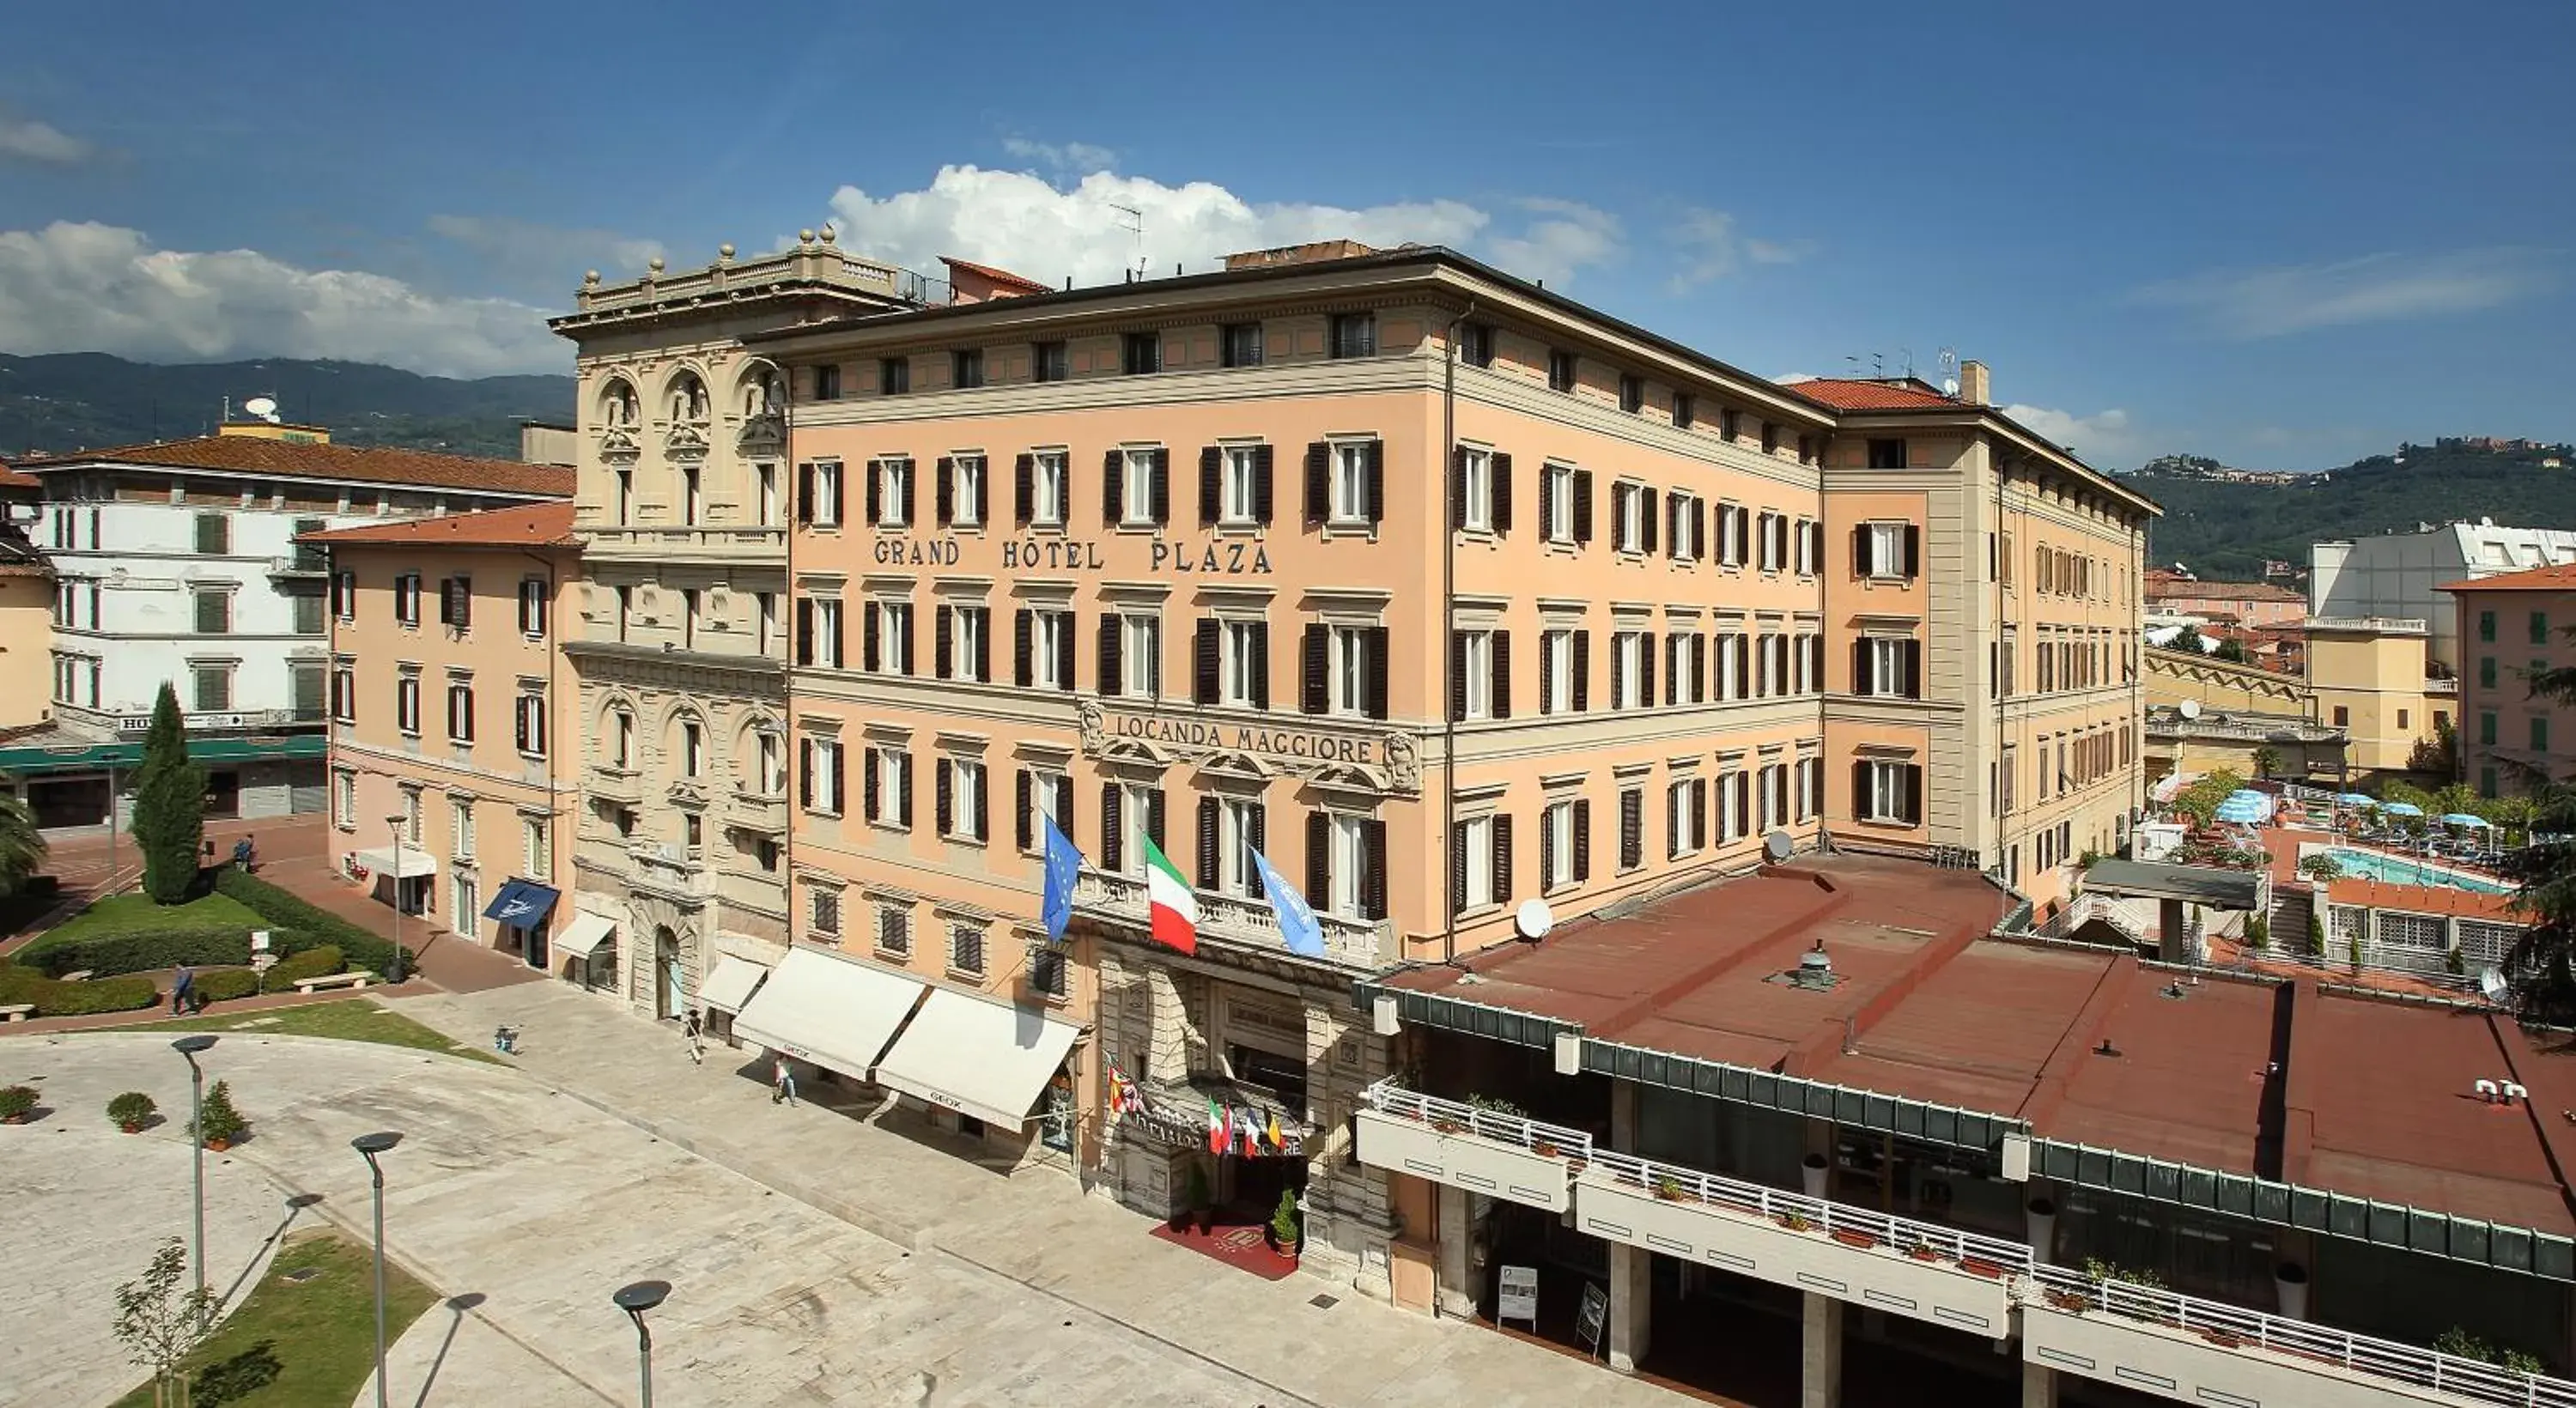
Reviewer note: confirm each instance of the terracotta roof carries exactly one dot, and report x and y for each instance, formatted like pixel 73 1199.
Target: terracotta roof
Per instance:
pixel 2559 578
pixel 1906 394
pixel 999 276
pixel 281 459
pixel 12 479
pixel 525 526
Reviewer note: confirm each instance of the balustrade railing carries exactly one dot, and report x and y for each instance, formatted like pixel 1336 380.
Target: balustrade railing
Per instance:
pixel 1350 941
pixel 1799 1213
pixel 1540 1138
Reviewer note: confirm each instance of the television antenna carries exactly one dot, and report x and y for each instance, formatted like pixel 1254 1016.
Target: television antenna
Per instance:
pixel 1132 220
pixel 1949 360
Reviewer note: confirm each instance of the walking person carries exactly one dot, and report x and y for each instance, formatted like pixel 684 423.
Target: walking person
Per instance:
pixel 697 1038
pixel 782 1079
pixel 183 986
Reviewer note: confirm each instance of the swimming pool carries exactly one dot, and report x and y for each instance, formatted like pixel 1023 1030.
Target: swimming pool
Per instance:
pixel 2406 870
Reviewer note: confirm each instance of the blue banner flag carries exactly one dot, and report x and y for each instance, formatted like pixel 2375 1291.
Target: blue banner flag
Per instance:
pixel 1063 867
pixel 1296 917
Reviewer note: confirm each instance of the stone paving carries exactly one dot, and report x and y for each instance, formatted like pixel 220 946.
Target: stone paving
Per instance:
pixel 520 1194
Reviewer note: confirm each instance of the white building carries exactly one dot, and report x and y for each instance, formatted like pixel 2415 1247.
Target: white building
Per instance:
pixel 2395 575
pixel 176 562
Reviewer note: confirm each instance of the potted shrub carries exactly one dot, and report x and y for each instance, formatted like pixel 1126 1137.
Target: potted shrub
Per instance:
pixel 1795 1222
pixel 1202 1202
pixel 1542 1146
pixel 1282 1232
pixel 16 1103
pixel 1854 1237
pixel 1979 1266
pixel 218 1123
pixel 1668 1188
pixel 1921 1251
pixel 130 1111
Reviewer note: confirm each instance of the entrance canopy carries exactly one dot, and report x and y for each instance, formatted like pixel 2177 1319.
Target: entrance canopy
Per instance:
pixel 835 1012
pixel 987 1059
pixel 584 935
pixel 524 903
pixel 416 863
pixel 732 983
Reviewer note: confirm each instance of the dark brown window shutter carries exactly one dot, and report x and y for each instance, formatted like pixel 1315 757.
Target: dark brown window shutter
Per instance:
pixel 1582 840
pixel 1914 669
pixel 1503 860
pixel 1319 858
pixel 1023 833
pixel 909 636
pixel 1261 665
pixel 1260 831
pixel 1211 490
pixel 1502 481
pixel 1457 488
pixel 1377 481
pixel 983 644
pixel 1632 829
pixel 1674 508
pixel 1913 795
pixel 1154 817
pixel 903 770
pixel 1646 517
pixel 805 773
pixel 1319 487
pixel 876 491
pixel 1618 674
pixel 868 637
pixel 946 804
pixel 1860 666
pixel 983 498
pixel 1546 852
pixel 944 499
pixel 1113 487
pixel 1913 551
pixel 1203 662
pixel 840 495
pixel 1315 697
pixel 869 782
pixel 1062 622
pixel 1373 868
pixel 1502 674
pixel 1646 669
pixel 805 492
pixel 1112 677
pixel 983 806
pixel 1023 648
pixel 1699 532
pixel 1546 507
pixel 1377 668
pixel 1162 486
pixel 1699 810
pixel 1064 813
pixel 1261 498
pixel 911 484
pixel 1024 491
pixel 1112 816
pixel 1457 867
pixel 947 634
pixel 1699 668
pixel 1583 505
pixel 1860 790
pixel 1457 675
pixel 1582 671
pixel 804 630
pixel 1546 677
pixel 1860 550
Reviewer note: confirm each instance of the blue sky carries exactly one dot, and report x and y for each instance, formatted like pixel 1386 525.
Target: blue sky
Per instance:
pixel 2282 233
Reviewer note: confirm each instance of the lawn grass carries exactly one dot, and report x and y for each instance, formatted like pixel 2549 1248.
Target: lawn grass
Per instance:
pixel 351 1019
pixel 319 1333
pixel 137 914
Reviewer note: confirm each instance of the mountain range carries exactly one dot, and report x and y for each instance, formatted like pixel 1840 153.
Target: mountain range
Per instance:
pixel 89 400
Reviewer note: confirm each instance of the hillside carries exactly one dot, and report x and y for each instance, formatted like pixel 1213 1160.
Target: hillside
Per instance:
pixel 84 400
pixel 2224 529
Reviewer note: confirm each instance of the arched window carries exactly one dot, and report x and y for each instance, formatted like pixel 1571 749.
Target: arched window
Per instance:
pixel 688 397
pixel 620 742
pixel 689 745
pixel 764 392
pixel 617 404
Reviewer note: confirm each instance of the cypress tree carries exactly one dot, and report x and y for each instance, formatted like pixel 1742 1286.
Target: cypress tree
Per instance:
pixel 169 805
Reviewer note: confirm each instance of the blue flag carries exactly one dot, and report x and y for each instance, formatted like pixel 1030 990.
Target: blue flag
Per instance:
pixel 1296 917
pixel 1063 867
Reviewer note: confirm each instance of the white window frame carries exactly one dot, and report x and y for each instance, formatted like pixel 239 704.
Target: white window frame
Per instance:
pixel 1886 784
pixel 827 494
pixel 1136 488
pixel 1237 657
pixel 1346 692
pixel 1049 499
pixel 693 748
pixel 765 493
pixel 891 779
pixel 1135 811
pixel 460 828
pixel 1140 655
pixel 1557 824
pixel 1556 649
pixel 1238 485
pixel 411 814
pixel 621 739
pixel 1686 519
pixel 892 475
pixel 1556 484
pixel 1349 872
pixel 1628 517
pixel 965 480
pixel 965 798
pixel 1886 552
pixel 1050 648
pixel 1477 663
pixel 892 634
pixel 1347 488
pixel 1235 873
pixel 1477 839
pixel 1047 793
pixel 1627 670
pixel 407 703
pixel 344 798
pixel 966 653
pixel 823 759
pixel 530 707
pixel 1887 666
pixel 1476 483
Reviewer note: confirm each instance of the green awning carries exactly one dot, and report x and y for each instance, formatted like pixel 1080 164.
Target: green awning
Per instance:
pixel 92 757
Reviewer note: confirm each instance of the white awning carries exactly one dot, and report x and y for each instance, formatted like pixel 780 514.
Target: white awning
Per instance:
pixel 835 1012
pixel 583 936
pixel 415 862
pixel 987 1059
pixel 732 983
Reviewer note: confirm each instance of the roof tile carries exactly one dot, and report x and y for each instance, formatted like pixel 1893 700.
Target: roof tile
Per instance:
pixel 524 526
pixel 282 459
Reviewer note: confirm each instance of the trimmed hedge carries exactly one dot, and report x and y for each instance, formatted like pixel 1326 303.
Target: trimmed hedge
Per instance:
pixel 20 984
pixel 226 984
pixel 97 995
pixel 148 952
pixel 283 975
pixel 315 924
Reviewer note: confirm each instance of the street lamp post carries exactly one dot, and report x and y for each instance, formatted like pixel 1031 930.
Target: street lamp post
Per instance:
pixel 190 1046
pixel 368 1146
pixel 397 823
pixel 635 1300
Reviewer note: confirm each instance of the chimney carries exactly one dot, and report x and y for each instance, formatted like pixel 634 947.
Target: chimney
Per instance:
pixel 1973 388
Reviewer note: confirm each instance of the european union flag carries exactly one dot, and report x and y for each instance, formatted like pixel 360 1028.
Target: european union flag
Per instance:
pixel 1296 917
pixel 1063 868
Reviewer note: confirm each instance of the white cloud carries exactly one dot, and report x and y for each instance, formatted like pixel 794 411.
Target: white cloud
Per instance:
pixel 1709 248
pixel 104 288
pixel 2274 302
pixel 1063 159
pixel 24 139
pixel 1018 222
pixel 550 255
pixel 2102 438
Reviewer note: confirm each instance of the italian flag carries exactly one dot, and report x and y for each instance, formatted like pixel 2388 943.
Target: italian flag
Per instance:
pixel 1176 910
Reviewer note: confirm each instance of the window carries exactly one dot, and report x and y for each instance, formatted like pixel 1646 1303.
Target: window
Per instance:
pixel 456 602
pixel 1355 467
pixel 823 909
pixel 1352 884
pixel 1043 649
pixel 894 928
pixel 894 375
pixel 407 703
pixel 693 505
pixel 1241 345
pixel 2486 672
pixel 821 778
pixel 1044 796
pixel 1474 507
pixel 411 812
pixel 827 382
pixel 1128 809
pixel 533 594
pixel 2540 628
pixel 1140 353
pixel 2486 728
pixel 1480 683
pixel 1045 502
pixel 890 493
pixel 1887 550
pixel 1131 656
pixel 1354 660
pixel 961 492
pixel 1052 975
pixel 888 646
pixel 1632 670
pixel 536 846
pixel 693 748
pixel 963 650
pixel 961 801
pixel 214 611
pixel 693 835
pixel 1685 409
pixel 1887 667
pixel 2486 625
pixel 529 712
pixel 1565 844
pixel 888 784
pixel 1047 361
pixel 1354 334
pixel 1476 344
pixel 1481 865
pixel 344 692
pixel 818 494
pixel 460 711
pixel 1729 423
pixel 1886 791
pixel 625 496
pixel 1632 518
pixel 965 948
pixel 1556 668
pixel 1242 663
pixel 818 632
pixel 1686 519
pixel 1887 454
pixel 1632 393
pixel 308 615
pixel 2540 733
pixel 1231 832
pixel 1561 368
pixel 2343 717
pixel 1560 515
pixel 344 596
pixel 1685 817
pixel 344 799
pixel 621 740
pixel 1734 529
pixel 966 367
pixel 2401 718
pixel 460 825
pixel 1138 478
pixel 214 534
pixel 213 687
pixel 1239 479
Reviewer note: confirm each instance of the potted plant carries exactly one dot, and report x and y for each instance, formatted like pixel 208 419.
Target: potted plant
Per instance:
pixel 1283 1235
pixel 1542 1146
pixel 130 1111
pixel 1202 1202
pixel 1854 1237
pixel 2072 1302
pixel 1921 1251
pixel 218 1123
pixel 1979 1266
pixel 16 1103
pixel 1795 1222
pixel 1668 1188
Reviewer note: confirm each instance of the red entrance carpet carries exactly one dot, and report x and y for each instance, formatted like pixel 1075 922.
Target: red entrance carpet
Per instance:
pixel 1241 1247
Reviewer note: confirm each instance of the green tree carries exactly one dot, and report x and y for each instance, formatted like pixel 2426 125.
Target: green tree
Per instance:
pixel 2231 651
pixel 169 805
pixel 159 1323
pixel 2542 965
pixel 22 846
pixel 2267 760
pixel 2200 800
pixel 2439 754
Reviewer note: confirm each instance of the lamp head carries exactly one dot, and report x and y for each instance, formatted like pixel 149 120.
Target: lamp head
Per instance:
pixel 377 1143
pixel 641 1296
pixel 189 1046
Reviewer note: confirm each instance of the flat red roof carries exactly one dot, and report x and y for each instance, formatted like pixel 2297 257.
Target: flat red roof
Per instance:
pixel 2248 1074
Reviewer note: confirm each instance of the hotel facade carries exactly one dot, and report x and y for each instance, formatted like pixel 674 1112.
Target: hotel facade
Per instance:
pixel 1442 593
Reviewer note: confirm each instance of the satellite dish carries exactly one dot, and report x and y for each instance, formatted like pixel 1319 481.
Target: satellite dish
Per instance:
pixel 1779 846
pixel 1534 919
pixel 2491 983
pixel 2189 708
pixel 264 407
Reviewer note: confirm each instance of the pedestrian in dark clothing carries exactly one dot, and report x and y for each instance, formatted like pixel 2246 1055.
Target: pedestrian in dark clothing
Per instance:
pixel 183 987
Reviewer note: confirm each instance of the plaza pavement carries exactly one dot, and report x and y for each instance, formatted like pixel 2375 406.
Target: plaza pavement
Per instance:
pixel 816 1259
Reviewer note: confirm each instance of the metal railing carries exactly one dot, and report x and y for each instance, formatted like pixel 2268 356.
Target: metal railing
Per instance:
pixel 1519 1131
pixel 2415 624
pixel 1799 1213
pixel 1349 941
pixel 2233 1327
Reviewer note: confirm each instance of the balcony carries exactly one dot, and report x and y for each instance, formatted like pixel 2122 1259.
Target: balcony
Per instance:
pixel 756 812
pixel 662 870
pixel 657 542
pixel 1936 1274
pixel 303 563
pixel 616 784
pixel 2200 1351
pixel 1230 919
pixel 1499 1155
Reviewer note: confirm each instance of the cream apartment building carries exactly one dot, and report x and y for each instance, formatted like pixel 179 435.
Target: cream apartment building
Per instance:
pixel 453 723
pixel 678 653
pixel 1250 562
pixel 2512 627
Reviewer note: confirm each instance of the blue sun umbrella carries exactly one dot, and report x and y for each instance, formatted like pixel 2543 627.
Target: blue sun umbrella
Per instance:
pixel 2245 808
pixel 2467 819
pixel 2354 799
pixel 2401 809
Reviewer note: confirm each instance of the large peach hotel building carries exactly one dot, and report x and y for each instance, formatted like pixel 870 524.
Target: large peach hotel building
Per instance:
pixel 1441 591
